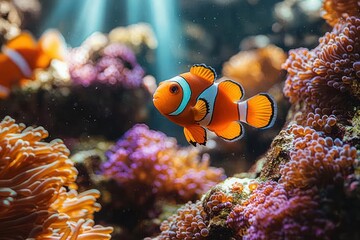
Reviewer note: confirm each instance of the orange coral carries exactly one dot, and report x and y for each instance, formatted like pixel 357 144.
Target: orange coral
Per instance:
pixel 34 178
pixel 317 160
pixel 337 9
pixel 257 70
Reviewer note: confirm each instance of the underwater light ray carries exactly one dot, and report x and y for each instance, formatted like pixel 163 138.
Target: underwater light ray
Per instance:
pixel 90 19
pixel 133 13
pixel 165 20
pixel 57 12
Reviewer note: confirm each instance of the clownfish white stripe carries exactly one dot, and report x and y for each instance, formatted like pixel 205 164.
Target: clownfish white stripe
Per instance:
pixel 209 95
pixel 186 94
pixel 242 106
pixel 18 60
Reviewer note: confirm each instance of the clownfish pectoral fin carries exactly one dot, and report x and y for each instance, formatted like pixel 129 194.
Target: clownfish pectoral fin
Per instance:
pixel 203 71
pixel 258 111
pixel 232 89
pixel 232 132
pixel 195 134
pixel 200 109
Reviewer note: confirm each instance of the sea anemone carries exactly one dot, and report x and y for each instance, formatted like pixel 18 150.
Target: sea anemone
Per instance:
pixel 321 76
pixel 272 213
pixel 337 10
pixel 316 160
pixel 34 180
pixel 189 222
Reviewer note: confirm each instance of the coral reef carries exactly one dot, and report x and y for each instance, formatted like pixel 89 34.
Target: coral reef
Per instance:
pixel 143 175
pixel 319 77
pixel 109 72
pixel 307 184
pixel 37 185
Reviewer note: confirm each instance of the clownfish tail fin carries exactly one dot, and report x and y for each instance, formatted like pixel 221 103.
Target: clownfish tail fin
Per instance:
pixel 259 111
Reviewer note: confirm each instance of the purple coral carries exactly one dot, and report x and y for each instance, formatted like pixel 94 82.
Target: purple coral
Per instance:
pixel 271 212
pixel 147 158
pixel 114 65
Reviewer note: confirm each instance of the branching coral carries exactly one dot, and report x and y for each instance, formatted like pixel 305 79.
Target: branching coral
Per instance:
pixel 336 10
pixel 150 160
pixel 34 178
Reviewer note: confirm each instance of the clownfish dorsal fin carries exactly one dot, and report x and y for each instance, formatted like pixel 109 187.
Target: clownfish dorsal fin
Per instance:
pixel 22 41
pixel 52 43
pixel 203 71
pixel 200 109
pixel 195 134
pixel 233 89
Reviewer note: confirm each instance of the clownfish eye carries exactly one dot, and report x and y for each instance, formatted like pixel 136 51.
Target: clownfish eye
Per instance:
pixel 174 88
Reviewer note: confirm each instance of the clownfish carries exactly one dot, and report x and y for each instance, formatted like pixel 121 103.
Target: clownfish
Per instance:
pixel 21 55
pixel 196 102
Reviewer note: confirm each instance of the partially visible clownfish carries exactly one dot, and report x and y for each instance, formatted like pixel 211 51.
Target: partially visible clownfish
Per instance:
pixel 21 55
pixel 194 101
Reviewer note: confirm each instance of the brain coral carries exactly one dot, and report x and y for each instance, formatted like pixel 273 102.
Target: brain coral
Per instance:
pixel 34 178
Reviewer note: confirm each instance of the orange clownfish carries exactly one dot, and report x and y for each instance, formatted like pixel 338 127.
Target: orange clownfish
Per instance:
pixel 21 55
pixel 194 101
